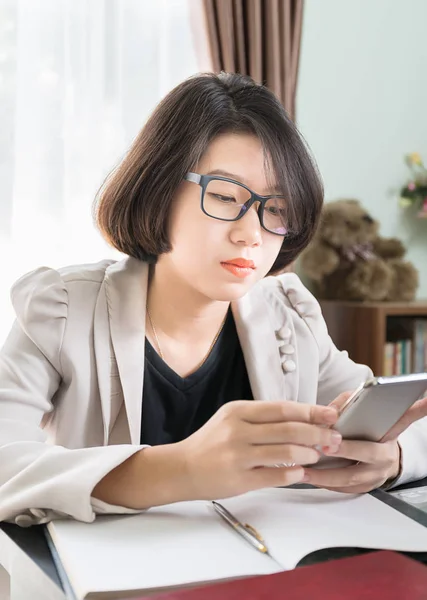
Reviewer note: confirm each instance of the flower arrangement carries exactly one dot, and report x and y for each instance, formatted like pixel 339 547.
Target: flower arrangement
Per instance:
pixel 414 193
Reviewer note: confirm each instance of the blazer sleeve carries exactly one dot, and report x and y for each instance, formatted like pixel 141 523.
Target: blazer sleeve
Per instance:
pixel 40 481
pixel 338 373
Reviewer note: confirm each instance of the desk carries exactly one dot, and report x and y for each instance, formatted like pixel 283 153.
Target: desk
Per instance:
pixel 26 557
pixel 28 551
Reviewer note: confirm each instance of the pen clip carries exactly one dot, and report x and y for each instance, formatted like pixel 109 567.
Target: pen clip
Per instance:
pixel 246 530
pixel 233 521
pixel 253 531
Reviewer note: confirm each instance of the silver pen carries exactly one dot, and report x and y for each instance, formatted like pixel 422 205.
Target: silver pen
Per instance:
pixel 246 531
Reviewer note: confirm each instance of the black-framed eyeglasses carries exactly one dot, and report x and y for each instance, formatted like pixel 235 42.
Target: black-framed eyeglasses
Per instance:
pixel 229 200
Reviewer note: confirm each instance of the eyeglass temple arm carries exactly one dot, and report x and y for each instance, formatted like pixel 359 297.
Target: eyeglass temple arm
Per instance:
pixel 194 177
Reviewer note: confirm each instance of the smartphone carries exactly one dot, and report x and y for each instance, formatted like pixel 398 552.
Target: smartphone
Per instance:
pixel 374 407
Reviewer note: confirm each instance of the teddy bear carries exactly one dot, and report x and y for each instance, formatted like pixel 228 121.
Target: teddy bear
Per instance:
pixel 348 260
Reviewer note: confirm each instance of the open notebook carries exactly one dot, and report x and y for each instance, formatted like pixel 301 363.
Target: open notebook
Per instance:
pixel 188 543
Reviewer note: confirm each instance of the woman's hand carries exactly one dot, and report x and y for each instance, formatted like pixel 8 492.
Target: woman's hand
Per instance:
pixel 233 453
pixel 376 462
pixel 236 450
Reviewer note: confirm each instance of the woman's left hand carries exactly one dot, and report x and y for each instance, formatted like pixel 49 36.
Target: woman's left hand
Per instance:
pixel 375 462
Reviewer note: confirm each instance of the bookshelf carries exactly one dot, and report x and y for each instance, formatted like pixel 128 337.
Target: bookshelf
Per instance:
pixel 370 331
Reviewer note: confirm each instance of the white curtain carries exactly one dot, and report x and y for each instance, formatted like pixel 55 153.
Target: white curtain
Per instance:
pixel 78 79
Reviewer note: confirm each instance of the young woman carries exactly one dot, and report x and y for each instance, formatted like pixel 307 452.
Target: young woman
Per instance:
pixel 186 371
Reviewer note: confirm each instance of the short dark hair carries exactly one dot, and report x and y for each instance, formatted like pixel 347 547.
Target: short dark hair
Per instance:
pixel 133 204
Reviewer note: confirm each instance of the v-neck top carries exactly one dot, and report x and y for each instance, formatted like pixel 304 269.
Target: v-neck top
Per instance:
pixel 174 407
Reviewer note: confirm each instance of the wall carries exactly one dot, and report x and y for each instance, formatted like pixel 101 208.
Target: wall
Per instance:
pixel 362 104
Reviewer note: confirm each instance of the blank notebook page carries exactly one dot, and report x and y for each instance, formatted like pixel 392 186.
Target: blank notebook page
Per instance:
pixel 296 522
pixel 166 546
pixel 188 542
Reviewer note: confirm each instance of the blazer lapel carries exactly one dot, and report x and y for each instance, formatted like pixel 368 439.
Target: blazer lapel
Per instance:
pixel 126 292
pixel 267 336
pixel 259 344
pixel 102 347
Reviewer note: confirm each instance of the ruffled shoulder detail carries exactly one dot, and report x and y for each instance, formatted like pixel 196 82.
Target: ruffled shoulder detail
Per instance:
pixel 40 301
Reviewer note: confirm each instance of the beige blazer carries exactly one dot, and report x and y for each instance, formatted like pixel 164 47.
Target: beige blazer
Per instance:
pixel 71 379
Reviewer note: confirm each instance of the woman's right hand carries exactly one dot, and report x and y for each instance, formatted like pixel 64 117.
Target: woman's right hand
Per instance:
pixel 236 450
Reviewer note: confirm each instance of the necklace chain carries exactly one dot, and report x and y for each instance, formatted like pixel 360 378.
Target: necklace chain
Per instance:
pixel 210 347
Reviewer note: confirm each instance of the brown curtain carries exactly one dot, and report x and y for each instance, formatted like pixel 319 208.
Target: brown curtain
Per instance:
pixel 260 38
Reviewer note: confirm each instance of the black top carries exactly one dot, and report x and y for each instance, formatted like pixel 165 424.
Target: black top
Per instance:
pixel 174 407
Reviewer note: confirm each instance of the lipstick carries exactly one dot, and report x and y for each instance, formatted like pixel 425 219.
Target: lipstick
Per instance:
pixel 239 267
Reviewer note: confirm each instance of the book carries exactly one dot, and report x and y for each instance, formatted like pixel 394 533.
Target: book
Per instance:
pixel 408 358
pixel 187 543
pixel 420 345
pixel 368 576
pixel 388 359
pixel 405 350
pixel 425 345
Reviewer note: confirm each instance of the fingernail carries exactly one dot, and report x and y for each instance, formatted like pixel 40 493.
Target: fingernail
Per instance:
pixel 336 438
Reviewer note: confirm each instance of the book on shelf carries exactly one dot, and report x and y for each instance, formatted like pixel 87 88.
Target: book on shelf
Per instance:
pixel 407 354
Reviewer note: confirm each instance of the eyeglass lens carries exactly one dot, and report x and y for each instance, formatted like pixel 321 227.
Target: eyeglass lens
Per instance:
pixel 227 201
